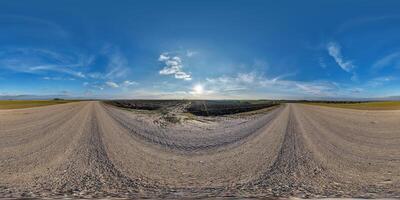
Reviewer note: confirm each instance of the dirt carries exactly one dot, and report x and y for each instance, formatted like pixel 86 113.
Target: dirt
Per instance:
pixel 90 149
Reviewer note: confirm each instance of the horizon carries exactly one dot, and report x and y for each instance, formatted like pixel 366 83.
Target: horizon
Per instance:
pixel 200 50
pixel 316 99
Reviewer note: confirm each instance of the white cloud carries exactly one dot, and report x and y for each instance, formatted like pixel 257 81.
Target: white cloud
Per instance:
pixel 335 51
pixel 79 74
pixel 128 83
pixel 112 84
pixel 163 57
pixel 252 85
pixel 246 77
pixel 244 83
pixel 95 85
pixel 183 75
pixel 173 66
pixel 315 89
pixel 356 90
pixel 157 94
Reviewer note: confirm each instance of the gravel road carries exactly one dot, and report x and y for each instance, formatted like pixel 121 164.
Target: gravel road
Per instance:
pixel 90 149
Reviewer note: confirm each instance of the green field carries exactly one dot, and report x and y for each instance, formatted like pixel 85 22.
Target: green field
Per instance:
pixel 381 105
pixel 15 104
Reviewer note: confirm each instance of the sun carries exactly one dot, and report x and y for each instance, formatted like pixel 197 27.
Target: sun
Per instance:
pixel 198 89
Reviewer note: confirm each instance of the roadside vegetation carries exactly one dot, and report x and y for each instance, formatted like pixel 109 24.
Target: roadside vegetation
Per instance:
pixel 16 104
pixel 378 105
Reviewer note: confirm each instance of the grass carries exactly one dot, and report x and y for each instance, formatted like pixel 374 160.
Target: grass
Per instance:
pixel 16 104
pixel 380 105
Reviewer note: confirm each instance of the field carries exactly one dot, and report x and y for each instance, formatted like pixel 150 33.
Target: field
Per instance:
pixel 216 108
pixel 380 105
pixel 15 104
pixel 144 104
pixel 197 107
pixel 159 149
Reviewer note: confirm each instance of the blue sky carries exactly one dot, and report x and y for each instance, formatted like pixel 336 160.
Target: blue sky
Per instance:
pixel 200 49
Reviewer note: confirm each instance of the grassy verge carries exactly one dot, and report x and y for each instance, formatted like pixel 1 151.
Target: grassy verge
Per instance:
pixel 16 104
pixel 381 105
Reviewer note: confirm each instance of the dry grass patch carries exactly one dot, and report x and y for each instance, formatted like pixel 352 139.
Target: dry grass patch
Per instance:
pixel 380 105
pixel 16 104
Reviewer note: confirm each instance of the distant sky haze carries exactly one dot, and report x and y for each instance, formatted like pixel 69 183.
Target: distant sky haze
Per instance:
pixel 204 49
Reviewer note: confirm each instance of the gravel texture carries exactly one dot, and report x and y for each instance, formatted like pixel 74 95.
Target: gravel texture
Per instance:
pixel 94 150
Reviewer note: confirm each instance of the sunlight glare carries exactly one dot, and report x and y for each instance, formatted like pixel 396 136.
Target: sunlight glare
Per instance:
pixel 198 89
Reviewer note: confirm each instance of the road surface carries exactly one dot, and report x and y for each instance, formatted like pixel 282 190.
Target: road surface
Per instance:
pixel 90 149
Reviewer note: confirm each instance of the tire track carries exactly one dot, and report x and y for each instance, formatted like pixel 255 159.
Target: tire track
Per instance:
pixel 191 142
pixel 295 150
pixel 294 172
pixel 88 171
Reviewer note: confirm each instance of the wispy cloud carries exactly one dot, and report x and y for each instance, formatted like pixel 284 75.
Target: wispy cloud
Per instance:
pixel 114 65
pixel 225 84
pixel 321 62
pixel 378 81
pixel 38 61
pixel 247 85
pixel 117 66
pixel 190 53
pixel 391 60
pixel 356 90
pixel 245 82
pixel 318 89
pixel 128 83
pixel 112 84
pixel 356 22
pixel 156 94
pixel 37 23
pixel 173 66
pixel 334 50
pixel 58 78
pixel 91 86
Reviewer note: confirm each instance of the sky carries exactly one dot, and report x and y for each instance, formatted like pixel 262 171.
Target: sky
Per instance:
pixel 223 49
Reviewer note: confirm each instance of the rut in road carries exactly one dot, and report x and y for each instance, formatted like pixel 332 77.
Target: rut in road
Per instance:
pixel 91 149
pixel 190 141
pixel 88 169
pixel 294 172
